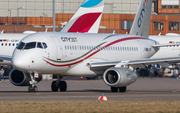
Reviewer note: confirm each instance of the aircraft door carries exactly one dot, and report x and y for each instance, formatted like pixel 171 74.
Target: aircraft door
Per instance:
pixel 141 52
pixel 58 47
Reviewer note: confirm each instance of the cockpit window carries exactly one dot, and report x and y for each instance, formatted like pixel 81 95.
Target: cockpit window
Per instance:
pixel 21 45
pixel 30 45
pixel 44 44
pixel 39 45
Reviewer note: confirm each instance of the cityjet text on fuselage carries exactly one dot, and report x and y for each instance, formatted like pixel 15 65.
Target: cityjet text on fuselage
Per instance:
pixel 69 39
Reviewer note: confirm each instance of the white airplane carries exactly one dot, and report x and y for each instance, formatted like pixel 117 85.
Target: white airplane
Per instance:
pixel 75 54
pixel 169 51
pixel 85 20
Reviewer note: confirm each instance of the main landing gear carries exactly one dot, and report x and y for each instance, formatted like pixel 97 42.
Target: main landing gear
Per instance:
pixel 58 84
pixel 32 87
pixel 121 89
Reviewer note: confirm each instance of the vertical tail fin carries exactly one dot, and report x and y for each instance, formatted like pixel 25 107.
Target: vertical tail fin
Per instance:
pixel 141 22
pixel 87 18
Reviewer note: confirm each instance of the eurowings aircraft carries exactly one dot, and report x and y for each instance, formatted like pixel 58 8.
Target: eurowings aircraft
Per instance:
pixel 86 19
pixel 169 51
pixel 76 54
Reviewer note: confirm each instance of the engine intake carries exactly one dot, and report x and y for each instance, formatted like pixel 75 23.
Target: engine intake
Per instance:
pixel 19 78
pixel 119 77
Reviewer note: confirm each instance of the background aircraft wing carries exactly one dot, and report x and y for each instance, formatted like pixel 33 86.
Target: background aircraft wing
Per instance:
pixel 133 63
pixel 165 45
pixel 5 57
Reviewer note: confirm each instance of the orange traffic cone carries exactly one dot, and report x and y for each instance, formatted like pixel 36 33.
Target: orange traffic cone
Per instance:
pixel 103 97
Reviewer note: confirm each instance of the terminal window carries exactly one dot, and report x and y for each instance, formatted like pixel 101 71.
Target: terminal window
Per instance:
pixel 158 25
pixel 169 6
pixel 163 6
pixel 176 7
pixel 173 25
pixel 126 25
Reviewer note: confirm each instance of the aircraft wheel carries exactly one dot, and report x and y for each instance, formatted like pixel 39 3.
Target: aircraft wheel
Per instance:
pixel 122 89
pixel 63 86
pixel 114 89
pixel 30 89
pixel 54 87
pixel 35 89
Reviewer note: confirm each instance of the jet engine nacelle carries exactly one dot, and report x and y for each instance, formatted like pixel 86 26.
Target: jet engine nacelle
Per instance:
pixel 119 77
pixel 19 78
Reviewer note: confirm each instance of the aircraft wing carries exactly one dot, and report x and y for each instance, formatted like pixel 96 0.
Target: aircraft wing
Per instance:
pixel 134 63
pixel 165 45
pixel 5 57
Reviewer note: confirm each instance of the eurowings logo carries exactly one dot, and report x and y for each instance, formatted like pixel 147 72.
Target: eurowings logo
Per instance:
pixel 84 23
pixel 90 3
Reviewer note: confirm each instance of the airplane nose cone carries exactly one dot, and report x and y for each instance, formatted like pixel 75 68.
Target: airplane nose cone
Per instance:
pixel 17 61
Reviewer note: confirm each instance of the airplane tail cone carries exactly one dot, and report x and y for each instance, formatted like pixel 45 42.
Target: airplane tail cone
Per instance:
pixel 103 97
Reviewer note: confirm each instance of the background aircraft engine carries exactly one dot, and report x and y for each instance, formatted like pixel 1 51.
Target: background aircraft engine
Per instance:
pixel 119 77
pixel 19 78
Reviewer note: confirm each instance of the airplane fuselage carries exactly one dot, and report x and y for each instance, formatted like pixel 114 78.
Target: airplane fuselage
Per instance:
pixel 69 54
pixel 8 42
pixel 169 51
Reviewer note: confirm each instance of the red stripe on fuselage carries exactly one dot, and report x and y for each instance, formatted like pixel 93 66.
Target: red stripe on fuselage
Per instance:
pixel 112 43
pixel 84 23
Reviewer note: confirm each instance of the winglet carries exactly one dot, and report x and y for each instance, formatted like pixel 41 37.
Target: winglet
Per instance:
pixel 141 22
pixel 87 18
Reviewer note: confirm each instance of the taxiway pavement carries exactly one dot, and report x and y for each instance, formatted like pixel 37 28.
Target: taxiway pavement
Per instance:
pixel 144 89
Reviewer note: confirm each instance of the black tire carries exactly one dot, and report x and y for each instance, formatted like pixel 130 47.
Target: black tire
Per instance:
pixel 35 89
pixel 63 86
pixel 30 89
pixel 54 88
pixel 122 89
pixel 114 89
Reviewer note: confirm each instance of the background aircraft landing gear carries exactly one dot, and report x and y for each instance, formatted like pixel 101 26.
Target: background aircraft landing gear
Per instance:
pixel 58 84
pixel 32 87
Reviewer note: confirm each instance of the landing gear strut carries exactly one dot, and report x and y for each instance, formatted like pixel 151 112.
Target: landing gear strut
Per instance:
pixel 121 89
pixel 58 84
pixel 32 87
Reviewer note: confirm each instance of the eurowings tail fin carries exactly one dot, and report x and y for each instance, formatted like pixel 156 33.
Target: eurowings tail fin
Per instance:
pixel 141 22
pixel 87 18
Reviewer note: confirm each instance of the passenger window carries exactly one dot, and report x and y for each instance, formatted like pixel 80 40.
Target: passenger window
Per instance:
pixel 2 44
pixel 44 44
pixel 72 47
pixel 30 45
pixel 39 45
pixel 6 44
pixel 9 44
pixel 13 44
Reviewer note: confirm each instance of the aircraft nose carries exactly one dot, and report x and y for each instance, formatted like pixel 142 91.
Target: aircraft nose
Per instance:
pixel 18 61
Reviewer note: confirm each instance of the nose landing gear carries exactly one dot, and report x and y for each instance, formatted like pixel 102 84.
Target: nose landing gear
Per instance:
pixel 32 87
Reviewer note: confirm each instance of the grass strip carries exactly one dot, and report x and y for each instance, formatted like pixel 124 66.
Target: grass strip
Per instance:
pixel 91 107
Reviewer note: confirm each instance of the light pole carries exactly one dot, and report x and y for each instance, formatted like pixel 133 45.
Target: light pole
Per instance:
pixel 10 14
pixel 53 15
pixel 18 14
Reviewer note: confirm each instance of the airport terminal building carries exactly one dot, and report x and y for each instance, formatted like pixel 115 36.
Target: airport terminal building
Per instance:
pixel 118 15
